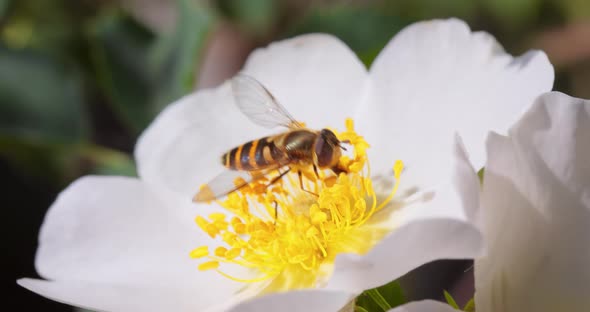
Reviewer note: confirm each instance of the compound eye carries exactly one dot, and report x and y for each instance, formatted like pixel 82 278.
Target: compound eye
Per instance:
pixel 324 147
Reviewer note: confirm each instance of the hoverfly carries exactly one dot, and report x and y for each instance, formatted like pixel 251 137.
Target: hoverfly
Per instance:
pixel 295 148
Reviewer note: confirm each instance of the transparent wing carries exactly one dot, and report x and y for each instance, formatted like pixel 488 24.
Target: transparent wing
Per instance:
pixel 256 102
pixel 226 182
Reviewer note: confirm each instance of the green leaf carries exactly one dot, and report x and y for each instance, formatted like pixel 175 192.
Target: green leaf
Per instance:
pixel 60 163
pixel 38 160
pixel 512 14
pixel 42 98
pixel 256 17
pixel 176 59
pixel 4 4
pixel 450 300
pixel 118 51
pixel 378 298
pixel 469 306
pixel 141 73
pixel 365 302
pixel 106 161
pixel 366 29
pixel 429 9
pixel 382 298
pixel 393 293
pixel 481 174
pixel 48 26
pixel 574 9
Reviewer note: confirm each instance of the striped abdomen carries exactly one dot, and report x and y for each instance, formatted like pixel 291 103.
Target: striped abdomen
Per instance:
pixel 255 155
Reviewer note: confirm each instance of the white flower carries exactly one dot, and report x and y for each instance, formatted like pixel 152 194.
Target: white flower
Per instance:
pixel 536 212
pixel 113 243
pixel 424 306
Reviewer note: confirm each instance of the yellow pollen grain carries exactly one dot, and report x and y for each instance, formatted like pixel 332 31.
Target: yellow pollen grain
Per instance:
pixel 209 265
pixel 319 217
pixel 201 222
pixel 296 249
pixel 199 252
pixel 220 251
pixel 233 253
pixel 212 230
pixel 217 216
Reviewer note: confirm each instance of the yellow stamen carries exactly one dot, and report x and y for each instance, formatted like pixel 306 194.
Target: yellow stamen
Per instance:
pixel 200 252
pixel 220 251
pixel 297 249
pixel 209 265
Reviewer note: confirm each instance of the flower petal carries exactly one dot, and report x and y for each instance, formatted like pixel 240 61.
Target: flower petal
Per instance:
pixel 424 306
pixel 457 198
pixel 556 133
pixel 110 297
pixel 316 77
pixel 435 225
pixel 294 301
pixel 406 248
pixel 182 148
pixel 536 208
pixel 436 78
pixel 120 232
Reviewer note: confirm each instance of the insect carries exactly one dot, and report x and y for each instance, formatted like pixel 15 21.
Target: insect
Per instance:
pixel 294 149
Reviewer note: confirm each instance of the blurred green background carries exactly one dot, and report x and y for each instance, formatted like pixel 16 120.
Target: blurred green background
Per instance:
pixel 80 79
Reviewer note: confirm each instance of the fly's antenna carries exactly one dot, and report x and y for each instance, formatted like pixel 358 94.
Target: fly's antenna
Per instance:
pixel 341 146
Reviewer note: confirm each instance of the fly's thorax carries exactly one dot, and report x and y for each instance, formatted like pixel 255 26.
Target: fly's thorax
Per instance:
pixel 298 145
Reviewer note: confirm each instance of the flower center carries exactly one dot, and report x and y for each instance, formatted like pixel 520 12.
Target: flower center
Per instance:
pixel 288 237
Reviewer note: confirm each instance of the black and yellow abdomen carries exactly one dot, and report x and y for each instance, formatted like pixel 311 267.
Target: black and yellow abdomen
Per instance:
pixel 255 155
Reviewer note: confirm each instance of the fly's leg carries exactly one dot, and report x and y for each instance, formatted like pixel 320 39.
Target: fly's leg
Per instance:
pixel 301 184
pixel 275 179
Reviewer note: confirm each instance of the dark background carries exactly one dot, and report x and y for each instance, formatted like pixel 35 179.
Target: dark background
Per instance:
pixel 79 80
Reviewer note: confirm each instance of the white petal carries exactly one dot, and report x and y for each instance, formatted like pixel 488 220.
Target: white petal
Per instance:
pixel 316 77
pixel 182 148
pixel 431 226
pixel 295 301
pixel 120 232
pixel 424 306
pixel 110 297
pixel 556 133
pixel 437 78
pixel 406 248
pixel 457 198
pixel 536 208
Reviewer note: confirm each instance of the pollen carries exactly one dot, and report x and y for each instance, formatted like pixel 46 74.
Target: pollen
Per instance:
pixel 286 236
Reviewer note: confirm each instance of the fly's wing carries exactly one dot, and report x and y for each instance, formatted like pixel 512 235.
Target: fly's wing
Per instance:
pixel 256 102
pixel 226 182
pixel 230 181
